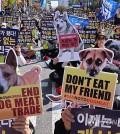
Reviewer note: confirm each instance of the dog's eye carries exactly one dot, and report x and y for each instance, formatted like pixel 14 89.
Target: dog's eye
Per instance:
pixel 62 21
pixel 89 61
pixel 98 62
pixel 6 75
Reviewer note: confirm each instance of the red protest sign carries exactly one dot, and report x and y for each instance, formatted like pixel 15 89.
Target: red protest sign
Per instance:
pixel 68 40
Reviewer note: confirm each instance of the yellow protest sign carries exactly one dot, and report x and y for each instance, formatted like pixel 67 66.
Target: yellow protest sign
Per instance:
pixel 21 101
pixel 98 91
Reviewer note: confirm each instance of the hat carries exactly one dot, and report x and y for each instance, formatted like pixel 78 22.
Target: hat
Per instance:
pixel 101 34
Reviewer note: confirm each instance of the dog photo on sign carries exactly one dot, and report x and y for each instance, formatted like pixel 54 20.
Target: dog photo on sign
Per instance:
pixel 9 76
pixel 69 41
pixel 93 61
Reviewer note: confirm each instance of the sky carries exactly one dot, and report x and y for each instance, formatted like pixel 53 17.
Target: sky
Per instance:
pixel 54 4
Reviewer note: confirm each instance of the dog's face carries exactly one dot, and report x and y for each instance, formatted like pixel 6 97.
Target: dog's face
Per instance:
pixel 94 60
pixel 8 75
pixel 115 47
pixel 60 22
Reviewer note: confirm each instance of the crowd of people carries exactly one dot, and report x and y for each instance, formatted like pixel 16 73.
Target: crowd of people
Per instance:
pixel 48 52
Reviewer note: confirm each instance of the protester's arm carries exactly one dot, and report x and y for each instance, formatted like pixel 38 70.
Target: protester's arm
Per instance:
pixel 23 125
pixel 63 126
pixel 54 63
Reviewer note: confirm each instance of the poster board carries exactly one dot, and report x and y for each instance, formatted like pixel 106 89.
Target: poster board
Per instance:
pixel 95 121
pixel 8 39
pixel 79 87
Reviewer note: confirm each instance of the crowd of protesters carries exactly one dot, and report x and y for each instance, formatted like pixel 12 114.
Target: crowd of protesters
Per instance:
pixel 48 52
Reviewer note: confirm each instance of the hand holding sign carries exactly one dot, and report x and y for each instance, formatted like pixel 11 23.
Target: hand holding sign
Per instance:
pixel 22 125
pixel 67 118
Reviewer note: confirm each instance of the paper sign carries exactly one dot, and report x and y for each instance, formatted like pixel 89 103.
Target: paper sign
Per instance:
pixel 68 41
pixel 95 121
pixel 21 101
pixel 79 87
pixel 8 39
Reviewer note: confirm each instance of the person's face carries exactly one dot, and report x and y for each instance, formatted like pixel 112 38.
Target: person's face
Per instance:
pixel 118 10
pixel 117 31
pixel 18 48
pixel 101 41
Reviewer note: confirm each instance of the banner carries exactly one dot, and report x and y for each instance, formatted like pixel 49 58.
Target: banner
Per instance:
pixel 30 24
pixel 8 39
pixel 43 3
pixel 24 101
pixel 78 21
pixel 88 36
pixel 68 41
pixel 11 19
pixel 109 8
pixel 95 121
pixel 25 37
pixel 78 86
pixel 47 28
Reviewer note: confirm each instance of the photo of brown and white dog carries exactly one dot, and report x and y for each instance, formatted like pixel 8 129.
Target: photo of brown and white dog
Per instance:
pixel 63 26
pixel 9 76
pixel 93 60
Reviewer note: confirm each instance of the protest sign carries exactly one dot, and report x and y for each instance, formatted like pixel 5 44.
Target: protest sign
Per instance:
pixel 30 24
pixel 25 101
pixel 68 41
pixel 16 13
pixel 11 19
pixel 25 37
pixel 78 86
pixel 19 95
pixel 8 39
pixel 88 36
pixel 65 32
pixel 47 28
pixel 95 121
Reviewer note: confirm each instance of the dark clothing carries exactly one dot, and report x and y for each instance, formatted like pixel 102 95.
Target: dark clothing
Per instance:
pixel 32 128
pixel 59 125
pixel 60 129
pixel 116 20
pixel 57 75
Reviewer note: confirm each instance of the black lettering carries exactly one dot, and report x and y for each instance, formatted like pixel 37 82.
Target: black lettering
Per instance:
pixel 106 84
pixel 88 81
pixel 69 78
pixel 107 96
pixel 68 88
pixel 100 85
pixel 95 93
pixel 81 90
pixel 81 80
pixel 87 91
pixel 101 95
pixel 74 89
pixel 75 79
pixel 95 83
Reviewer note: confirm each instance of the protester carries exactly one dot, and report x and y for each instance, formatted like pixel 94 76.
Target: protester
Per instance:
pixel 57 75
pixel 100 40
pixel 117 17
pixel 16 26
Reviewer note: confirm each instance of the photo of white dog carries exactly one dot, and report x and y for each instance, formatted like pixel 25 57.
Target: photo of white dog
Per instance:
pixel 64 27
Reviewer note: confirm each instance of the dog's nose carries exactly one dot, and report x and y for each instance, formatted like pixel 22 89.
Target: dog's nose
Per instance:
pixel 1 89
pixel 93 72
pixel 57 25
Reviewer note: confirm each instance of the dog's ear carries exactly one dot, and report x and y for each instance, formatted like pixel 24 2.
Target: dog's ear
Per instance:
pixel 57 13
pixel 11 59
pixel 65 15
pixel 108 54
pixel 83 53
